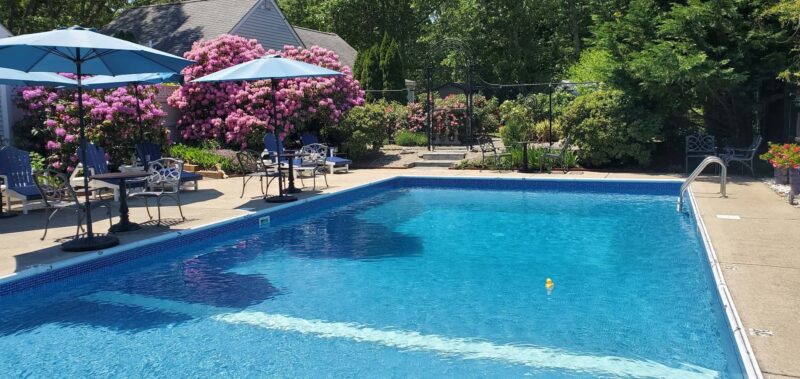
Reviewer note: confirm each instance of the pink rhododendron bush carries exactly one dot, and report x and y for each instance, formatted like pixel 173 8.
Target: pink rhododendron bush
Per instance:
pixel 239 113
pixel 51 122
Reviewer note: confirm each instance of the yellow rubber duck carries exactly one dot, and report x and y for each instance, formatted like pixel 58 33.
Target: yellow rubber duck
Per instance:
pixel 549 285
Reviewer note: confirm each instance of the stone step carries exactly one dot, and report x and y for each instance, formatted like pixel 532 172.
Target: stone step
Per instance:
pixel 443 155
pixel 435 163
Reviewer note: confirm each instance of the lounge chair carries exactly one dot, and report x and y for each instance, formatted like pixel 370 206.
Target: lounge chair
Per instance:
pixel 744 156
pixel 15 167
pixel 58 194
pixel 164 181
pixel 333 162
pixel 148 152
pixel 252 166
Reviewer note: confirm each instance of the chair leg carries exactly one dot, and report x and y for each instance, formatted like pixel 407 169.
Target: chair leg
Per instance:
pixel 158 204
pixel 47 218
pixel 178 198
pixel 261 185
pixel 325 176
pixel 24 206
pixel 147 207
pixel 244 183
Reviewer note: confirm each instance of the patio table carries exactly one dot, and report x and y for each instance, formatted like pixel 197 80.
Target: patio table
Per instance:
pixel 282 197
pixel 124 224
pixel 525 168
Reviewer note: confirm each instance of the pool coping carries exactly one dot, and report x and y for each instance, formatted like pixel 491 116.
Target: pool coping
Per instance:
pixel 746 354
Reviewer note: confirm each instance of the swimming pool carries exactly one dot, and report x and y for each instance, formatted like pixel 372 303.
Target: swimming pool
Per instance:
pixel 433 277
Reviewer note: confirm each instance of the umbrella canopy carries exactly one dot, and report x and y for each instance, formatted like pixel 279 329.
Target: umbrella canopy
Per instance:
pixel 105 81
pixel 22 78
pixel 59 51
pixel 269 67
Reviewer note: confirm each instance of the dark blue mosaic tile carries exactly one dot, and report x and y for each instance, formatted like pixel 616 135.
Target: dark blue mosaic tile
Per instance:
pixel 325 202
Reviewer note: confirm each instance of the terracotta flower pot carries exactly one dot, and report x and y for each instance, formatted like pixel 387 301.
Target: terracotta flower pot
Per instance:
pixel 781 176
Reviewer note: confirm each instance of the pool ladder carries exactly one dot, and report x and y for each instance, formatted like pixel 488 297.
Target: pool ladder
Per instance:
pixel 702 166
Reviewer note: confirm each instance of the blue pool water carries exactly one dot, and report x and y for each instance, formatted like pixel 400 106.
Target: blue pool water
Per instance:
pixel 409 282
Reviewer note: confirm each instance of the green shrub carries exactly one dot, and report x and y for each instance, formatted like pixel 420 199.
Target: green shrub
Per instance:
pixel 37 161
pixel 206 159
pixel 517 122
pixel 408 138
pixel 610 128
pixel 367 128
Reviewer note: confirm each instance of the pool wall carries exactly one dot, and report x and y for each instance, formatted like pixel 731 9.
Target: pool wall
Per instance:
pixel 71 269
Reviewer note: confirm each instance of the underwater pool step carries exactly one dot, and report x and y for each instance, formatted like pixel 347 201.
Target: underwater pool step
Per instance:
pixel 466 348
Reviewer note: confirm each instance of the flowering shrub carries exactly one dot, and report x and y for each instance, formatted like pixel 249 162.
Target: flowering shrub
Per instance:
pixel 783 156
pixel 450 116
pixel 110 119
pixel 239 113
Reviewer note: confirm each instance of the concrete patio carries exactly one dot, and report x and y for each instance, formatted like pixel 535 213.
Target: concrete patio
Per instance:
pixel 756 240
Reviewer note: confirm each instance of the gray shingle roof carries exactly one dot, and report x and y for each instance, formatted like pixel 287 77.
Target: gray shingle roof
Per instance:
pixel 174 27
pixel 330 41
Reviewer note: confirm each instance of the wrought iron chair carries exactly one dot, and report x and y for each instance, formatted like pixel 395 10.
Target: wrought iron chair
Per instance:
pixel 148 151
pixel 252 166
pixel 556 155
pixel 15 167
pixel 164 181
pixel 333 162
pixel 58 194
pixel 744 156
pixel 699 146
pixel 313 163
pixel 487 147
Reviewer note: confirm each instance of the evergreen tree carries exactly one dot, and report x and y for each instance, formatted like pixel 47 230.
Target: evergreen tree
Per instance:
pixel 393 75
pixel 358 66
pixel 372 77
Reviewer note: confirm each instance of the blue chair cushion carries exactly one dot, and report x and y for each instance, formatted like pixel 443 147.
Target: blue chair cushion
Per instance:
pixel 28 192
pixel 338 161
pixel 190 176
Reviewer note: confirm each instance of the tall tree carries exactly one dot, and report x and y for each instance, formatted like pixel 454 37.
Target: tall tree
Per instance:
pixel 393 75
pixel 372 77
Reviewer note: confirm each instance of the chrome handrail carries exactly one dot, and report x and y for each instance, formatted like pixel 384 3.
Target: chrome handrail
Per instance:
pixel 702 166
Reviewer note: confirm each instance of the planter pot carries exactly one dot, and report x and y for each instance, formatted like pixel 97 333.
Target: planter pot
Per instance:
pixel 190 167
pixel 781 176
pixel 794 182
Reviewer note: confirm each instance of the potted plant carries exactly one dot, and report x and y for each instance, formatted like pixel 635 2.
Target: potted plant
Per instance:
pixel 785 159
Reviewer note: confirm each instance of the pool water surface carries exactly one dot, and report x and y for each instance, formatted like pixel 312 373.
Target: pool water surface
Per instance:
pixel 419 281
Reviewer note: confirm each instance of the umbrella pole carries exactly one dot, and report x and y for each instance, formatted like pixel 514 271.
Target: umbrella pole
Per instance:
pixel 90 242
pixel 281 198
pixel 141 125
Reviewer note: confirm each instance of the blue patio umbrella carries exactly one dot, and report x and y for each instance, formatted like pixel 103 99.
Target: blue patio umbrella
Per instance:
pixel 83 51
pixel 273 67
pixel 29 79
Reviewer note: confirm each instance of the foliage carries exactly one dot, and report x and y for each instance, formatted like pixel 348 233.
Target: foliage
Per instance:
pixel 517 119
pixel 371 75
pixel 366 127
pixel 408 138
pixel 536 160
pixel 203 157
pixel 37 161
pixel 110 118
pixel 393 73
pixel 239 113
pixel 783 155
pixel 610 129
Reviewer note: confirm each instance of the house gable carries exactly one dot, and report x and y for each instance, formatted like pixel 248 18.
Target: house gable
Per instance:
pixel 266 23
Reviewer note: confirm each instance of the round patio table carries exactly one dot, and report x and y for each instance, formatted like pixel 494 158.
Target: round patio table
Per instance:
pixel 282 197
pixel 525 168
pixel 124 224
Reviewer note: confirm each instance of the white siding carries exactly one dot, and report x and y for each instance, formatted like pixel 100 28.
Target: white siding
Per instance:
pixel 5 102
pixel 266 23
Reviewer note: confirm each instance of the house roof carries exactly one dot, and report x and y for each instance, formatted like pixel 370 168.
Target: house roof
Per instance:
pixel 330 41
pixel 4 32
pixel 174 27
